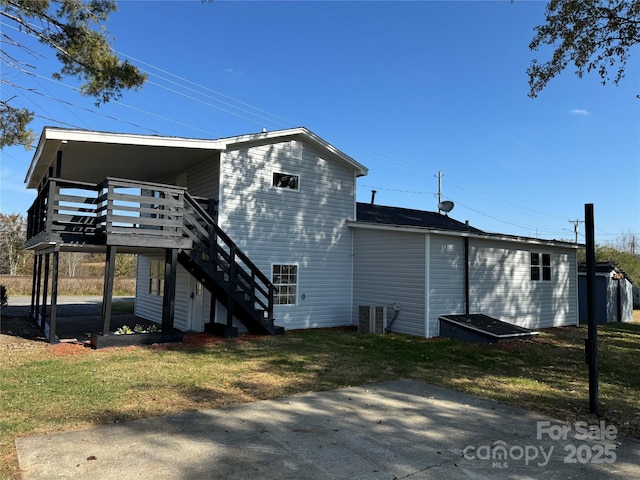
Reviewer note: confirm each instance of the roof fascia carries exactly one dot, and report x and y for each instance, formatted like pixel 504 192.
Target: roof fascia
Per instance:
pixel 93 136
pixel 454 233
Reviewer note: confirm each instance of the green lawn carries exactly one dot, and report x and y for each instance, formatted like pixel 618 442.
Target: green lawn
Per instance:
pixel 41 391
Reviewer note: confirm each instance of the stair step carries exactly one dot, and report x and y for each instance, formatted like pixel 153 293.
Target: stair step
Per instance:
pixel 221 330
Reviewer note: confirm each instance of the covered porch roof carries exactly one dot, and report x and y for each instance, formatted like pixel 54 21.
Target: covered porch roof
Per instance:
pixel 90 156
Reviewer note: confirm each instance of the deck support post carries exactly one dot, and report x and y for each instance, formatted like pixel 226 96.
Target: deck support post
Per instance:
pixel 169 293
pixel 107 295
pixel 54 297
pixel 34 287
pixel 233 279
pixel 45 286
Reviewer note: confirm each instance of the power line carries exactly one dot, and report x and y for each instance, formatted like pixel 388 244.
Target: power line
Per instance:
pixel 576 223
pixel 247 112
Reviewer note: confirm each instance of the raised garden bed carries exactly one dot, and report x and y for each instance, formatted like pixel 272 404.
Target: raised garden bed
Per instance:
pixel 112 340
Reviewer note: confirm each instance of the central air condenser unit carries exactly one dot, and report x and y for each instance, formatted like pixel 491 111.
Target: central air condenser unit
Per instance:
pixel 372 319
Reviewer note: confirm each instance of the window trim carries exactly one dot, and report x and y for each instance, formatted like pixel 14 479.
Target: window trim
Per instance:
pixel 286 189
pixel 543 271
pixel 297 284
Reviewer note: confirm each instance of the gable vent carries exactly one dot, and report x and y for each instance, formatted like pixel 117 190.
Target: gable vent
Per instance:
pixel 295 150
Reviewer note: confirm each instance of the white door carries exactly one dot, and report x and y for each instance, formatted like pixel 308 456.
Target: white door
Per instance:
pixel 196 294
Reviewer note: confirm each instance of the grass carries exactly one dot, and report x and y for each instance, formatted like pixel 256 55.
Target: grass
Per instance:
pixel 41 392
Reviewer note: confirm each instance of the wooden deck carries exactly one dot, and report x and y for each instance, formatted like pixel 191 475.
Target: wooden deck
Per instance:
pixel 121 215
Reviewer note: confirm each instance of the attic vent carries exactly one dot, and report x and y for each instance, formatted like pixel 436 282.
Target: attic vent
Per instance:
pixel 372 319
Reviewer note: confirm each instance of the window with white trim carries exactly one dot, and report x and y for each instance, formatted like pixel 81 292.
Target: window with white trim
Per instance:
pixel 285 279
pixel 156 277
pixel 286 181
pixel 540 267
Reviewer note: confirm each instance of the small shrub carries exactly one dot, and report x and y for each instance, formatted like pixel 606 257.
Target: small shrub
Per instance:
pixel 124 330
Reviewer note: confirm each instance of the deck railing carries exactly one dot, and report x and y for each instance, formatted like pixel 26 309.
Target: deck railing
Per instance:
pixel 63 210
pixel 115 212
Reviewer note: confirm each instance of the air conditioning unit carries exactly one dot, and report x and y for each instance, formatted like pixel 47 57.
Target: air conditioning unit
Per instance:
pixel 372 319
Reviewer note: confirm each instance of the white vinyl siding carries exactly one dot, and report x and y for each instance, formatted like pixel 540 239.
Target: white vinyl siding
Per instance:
pixel 147 306
pixel 446 282
pixel 203 179
pixel 181 309
pixel 389 264
pixel 501 286
pixel 283 226
pixel 389 268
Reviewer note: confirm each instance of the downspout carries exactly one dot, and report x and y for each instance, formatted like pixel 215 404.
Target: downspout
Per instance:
pixel 466 273
pixel 427 285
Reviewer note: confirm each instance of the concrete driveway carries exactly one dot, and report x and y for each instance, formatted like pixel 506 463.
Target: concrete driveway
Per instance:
pixel 395 430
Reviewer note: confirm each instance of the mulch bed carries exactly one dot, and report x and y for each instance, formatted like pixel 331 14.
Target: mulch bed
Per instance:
pixel 20 332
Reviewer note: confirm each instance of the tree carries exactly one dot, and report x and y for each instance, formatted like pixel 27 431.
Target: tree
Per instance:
pixel 69 262
pixel 126 264
pixel 591 34
pixel 68 27
pixel 627 242
pixel 626 261
pixel 13 232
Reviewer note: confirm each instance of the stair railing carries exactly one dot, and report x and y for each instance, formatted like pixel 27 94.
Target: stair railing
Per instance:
pixel 209 239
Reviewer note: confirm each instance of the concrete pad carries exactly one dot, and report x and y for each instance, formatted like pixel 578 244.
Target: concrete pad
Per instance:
pixel 392 430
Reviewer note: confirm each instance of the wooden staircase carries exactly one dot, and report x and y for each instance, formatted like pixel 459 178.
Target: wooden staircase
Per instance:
pixel 230 276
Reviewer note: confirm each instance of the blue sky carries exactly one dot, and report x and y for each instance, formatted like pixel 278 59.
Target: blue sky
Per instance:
pixel 405 88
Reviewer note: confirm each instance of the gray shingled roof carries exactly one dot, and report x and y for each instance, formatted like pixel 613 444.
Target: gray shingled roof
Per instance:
pixel 407 217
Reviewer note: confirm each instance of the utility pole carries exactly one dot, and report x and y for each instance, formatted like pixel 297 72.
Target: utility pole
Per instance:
pixel 440 175
pixel 576 224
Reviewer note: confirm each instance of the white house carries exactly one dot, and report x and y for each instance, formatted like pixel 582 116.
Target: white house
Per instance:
pixel 263 231
pixel 284 198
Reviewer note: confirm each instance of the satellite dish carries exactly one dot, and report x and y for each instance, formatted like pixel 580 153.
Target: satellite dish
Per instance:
pixel 445 206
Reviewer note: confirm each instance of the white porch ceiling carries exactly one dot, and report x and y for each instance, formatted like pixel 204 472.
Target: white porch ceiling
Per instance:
pixel 94 156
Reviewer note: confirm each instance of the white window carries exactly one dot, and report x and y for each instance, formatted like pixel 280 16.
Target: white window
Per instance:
pixel 540 267
pixel 286 181
pixel 156 277
pixel 285 279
